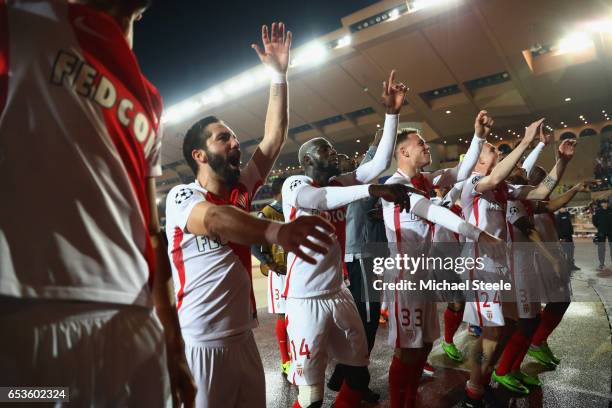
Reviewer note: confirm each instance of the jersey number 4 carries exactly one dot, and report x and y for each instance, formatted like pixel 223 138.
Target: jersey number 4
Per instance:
pixel 303 350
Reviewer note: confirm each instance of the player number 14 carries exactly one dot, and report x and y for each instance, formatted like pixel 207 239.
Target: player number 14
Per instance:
pixel 303 349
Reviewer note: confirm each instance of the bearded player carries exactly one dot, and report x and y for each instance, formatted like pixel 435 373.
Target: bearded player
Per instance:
pixel 322 318
pixel 210 231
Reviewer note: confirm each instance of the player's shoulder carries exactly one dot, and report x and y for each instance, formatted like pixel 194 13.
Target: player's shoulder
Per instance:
pixel 294 182
pixel 182 192
pixel 397 178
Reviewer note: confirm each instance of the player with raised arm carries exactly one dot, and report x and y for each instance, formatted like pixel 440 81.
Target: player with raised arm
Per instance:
pixel 484 201
pixel 210 231
pixel 79 280
pixel 414 322
pixel 322 319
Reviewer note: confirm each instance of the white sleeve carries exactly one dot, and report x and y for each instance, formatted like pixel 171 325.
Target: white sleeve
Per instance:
pixel 298 192
pixel 454 194
pixel 516 211
pixel 531 160
pixel 444 217
pixel 381 161
pixel 461 171
pixel 179 203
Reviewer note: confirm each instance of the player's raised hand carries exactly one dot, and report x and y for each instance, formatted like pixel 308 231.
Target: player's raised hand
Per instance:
pixel 393 94
pixel 276 46
pixel 483 124
pixel 545 137
pixel 532 130
pixel 395 193
pixel 310 231
pixel 567 149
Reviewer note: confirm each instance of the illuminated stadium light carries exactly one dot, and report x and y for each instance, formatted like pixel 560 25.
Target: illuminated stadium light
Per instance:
pixel 394 14
pixel 378 125
pixel 183 110
pixel 421 4
pixel 214 96
pixel 313 53
pixel 568 99
pixel 448 112
pixel 599 26
pixel 574 42
pixel 358 141
pixel 344 41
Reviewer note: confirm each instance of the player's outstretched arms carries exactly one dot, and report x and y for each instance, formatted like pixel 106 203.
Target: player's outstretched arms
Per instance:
pixel 275 56
pixel 560 201
pixel 505 167
pixel 182 386
pixel 393 96
pixel 567 149
pixel 228 223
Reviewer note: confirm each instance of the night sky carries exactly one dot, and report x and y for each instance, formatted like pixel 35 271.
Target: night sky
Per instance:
pixel 185 47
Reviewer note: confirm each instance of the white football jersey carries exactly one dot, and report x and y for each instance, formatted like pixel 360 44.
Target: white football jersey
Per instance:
pixel 305 280
pixel 212 279
pixel 407 233
pixel 79 134
pixel 487 210
pixel 516 210
pixel 441 234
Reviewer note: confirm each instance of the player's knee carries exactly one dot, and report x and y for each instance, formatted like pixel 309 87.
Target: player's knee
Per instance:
pixel 310 396
pixel 357 378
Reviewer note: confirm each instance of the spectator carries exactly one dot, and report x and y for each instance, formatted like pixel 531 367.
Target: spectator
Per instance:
pixel 566 236
pixel 602 219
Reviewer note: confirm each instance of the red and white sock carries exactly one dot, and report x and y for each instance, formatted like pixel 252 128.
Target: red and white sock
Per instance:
pixel 281 337
pixel 452 321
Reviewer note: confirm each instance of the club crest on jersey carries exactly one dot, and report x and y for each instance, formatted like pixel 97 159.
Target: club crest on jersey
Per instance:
pixel 489 315
pixel 182 195
pixel 299 369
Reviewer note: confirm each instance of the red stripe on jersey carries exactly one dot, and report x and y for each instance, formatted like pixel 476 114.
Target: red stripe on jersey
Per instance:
pixel 291 218
pixel 398 343
pixel 289 277
pixel 398 231
pixel 106 50
pixel 475 209
pixel 177 260
pixel 4 55
pixel 476 255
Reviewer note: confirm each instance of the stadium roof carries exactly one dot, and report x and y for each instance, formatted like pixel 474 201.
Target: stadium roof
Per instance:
pixel 517 59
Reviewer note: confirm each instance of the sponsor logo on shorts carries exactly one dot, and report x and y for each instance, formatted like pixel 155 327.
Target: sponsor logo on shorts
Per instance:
pixel 489 315
pixel 299 369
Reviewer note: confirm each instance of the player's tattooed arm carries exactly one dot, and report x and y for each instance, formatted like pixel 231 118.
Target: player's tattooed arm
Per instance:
pixel 275 56
pixel 567 149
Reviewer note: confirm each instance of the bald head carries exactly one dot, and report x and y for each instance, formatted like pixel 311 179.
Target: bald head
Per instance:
pixel 318 158
pixel 310 147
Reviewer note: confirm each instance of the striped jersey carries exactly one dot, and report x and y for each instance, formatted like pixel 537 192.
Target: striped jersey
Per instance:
pixel 79 134
pixel 326 276
pixel 212 278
